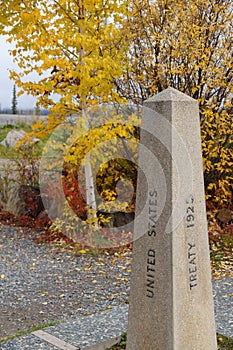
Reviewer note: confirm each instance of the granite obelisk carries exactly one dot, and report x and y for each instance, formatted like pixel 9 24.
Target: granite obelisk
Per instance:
pixel 171 302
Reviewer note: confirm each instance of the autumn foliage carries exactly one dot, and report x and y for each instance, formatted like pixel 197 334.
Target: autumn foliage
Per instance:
pixel 87 53
pixel 188 45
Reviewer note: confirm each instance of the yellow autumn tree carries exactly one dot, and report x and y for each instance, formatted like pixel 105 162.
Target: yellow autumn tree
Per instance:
pixel 187 44
pixel 77 49
pixel 111 144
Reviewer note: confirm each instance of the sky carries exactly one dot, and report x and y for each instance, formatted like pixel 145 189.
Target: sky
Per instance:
pixel 6 85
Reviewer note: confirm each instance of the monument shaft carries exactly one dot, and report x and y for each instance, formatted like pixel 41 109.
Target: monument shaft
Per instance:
pixel 171 302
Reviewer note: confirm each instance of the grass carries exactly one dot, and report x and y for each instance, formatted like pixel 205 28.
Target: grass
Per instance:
pixel 11 153
pixel 19 126
pixel 31 330
pixel 224 343
pixel 122 344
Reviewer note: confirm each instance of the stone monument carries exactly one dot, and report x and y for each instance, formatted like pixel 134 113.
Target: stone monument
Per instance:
pixel 171 302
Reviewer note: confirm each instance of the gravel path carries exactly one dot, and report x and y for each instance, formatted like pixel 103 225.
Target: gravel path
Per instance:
pixel 223 301
pixel 41 283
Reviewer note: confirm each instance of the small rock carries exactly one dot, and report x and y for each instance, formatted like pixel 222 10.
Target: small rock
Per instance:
pixel 15 136
pixel 224 216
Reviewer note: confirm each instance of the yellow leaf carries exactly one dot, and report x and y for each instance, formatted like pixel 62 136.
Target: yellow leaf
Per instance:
pixel 82 251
